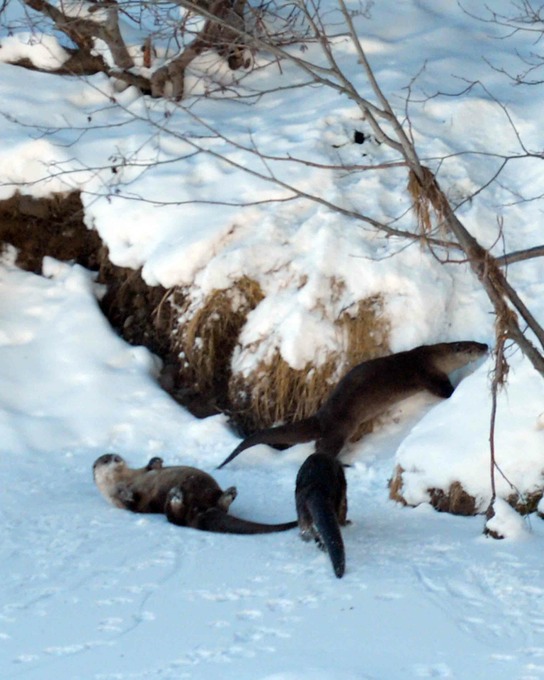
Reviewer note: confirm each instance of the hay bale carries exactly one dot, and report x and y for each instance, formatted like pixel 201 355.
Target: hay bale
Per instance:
pixel 457 501
pixel 526 503
pixel 205 332
pixel 395 486
pixel 454 500
pixel 275 392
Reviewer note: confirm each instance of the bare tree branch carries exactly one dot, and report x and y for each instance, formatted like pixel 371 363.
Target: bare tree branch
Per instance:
pixel 520 256
pixel 482 263
pixel 82 31
pixel 223 30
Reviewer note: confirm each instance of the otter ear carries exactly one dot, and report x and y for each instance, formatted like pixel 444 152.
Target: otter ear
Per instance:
pixel 226 498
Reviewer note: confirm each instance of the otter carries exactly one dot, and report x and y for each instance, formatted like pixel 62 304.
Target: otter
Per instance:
pixel 321 501
pixel 368 390
pixel 186 495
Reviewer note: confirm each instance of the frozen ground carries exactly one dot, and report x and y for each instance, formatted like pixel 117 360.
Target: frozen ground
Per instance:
pixel 88 592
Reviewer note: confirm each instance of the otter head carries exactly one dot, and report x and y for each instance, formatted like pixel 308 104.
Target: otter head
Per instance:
pixel 109 460
pixel 108 470
pixel 449 356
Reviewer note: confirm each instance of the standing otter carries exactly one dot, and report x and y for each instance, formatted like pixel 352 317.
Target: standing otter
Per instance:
pixel 186 495
pixel 322 505
pixel 367 391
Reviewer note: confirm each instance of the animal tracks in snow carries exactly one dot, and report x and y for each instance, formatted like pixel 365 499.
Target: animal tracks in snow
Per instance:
pixel 489 603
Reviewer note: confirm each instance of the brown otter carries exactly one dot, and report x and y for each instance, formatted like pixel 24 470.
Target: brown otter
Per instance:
pixel 186 495
pixel 322 505
pixel 367 391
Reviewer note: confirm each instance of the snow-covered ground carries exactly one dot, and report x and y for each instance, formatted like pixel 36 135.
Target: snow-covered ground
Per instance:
pixel 93 593
pixel 89 591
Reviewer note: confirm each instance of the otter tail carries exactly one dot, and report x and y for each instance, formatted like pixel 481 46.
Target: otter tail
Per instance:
pixel 220 522
pixel 326 523
pixel 289 434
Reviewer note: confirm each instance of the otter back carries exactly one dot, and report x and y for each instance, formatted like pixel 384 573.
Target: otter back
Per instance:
pixel 321 502
pixel 368 390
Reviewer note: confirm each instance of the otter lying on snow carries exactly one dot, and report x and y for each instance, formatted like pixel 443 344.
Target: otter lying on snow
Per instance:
pixel 186 495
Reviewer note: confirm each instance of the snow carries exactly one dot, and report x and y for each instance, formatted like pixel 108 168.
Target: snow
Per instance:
pixel 506 522
pixel 466 448
pixel 43 50
pixel 88 592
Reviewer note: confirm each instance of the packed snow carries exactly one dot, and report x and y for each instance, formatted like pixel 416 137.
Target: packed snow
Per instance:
pixel 89 592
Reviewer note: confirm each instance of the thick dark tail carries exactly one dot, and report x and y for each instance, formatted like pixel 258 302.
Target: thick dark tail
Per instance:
pixel 329 530
pixel 220 522
pixel 289 434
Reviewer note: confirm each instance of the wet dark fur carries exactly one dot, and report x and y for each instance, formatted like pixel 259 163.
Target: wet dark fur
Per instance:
pixel 322 505
pixel 367 391
pixel 186 495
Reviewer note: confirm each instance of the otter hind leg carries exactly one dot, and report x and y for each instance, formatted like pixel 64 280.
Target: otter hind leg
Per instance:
pixel 305 523
pixel 309 533
pixel 319 542
pixel 341 505
pixel 175 508
pixel 226 498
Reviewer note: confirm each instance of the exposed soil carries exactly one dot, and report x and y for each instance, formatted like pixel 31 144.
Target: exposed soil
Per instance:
pixel 53 226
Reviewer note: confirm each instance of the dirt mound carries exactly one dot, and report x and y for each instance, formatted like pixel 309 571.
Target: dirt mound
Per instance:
pixel 48 226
